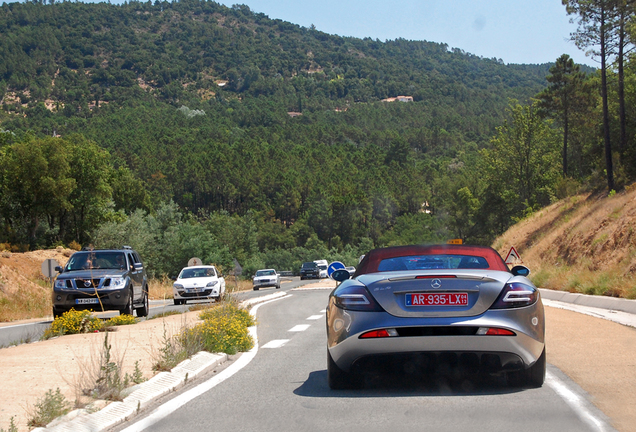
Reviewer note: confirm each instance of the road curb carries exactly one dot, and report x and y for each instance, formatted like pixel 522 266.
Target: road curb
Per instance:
pixel 143 394
pixel 139 397
pixel 601 302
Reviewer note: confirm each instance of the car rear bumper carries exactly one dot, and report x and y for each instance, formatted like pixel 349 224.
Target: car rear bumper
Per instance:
pixel 434 336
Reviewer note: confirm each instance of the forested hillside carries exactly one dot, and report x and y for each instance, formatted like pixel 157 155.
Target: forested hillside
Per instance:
pixel 191 128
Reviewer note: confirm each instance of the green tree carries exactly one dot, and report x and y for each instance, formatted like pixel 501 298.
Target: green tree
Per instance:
pixel 562 98
pixel 521 164
pixel 37 182
pixel 91 198
pixel 597 20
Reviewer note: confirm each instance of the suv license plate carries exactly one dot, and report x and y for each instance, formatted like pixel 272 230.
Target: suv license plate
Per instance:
pixel 86 301
pixel 442 299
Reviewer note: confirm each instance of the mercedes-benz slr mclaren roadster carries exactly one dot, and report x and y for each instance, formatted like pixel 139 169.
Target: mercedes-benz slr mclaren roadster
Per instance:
pixel 449 305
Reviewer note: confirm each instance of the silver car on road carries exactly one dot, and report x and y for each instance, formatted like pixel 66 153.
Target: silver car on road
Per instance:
pixel 266 278
pixel 423 308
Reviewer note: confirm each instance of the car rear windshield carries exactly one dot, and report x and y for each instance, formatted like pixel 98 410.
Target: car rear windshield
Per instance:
pixel 427 262
pixel 96 260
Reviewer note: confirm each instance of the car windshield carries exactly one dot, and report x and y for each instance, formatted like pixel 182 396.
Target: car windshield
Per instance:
pixel 196 273
pixel 96 260
pixel 426 262
pixel 322 267
pixel 265 273
pixel 310 265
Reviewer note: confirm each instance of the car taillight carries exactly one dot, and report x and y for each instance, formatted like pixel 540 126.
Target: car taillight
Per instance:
pixel 356 298
pixel 516 294
pixel 382 333
pixel 494 331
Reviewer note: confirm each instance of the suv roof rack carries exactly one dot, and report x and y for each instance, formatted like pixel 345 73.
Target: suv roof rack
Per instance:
pixel 126 247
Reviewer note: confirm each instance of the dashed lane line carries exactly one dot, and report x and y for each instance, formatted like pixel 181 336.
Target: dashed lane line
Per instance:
pixel 276 343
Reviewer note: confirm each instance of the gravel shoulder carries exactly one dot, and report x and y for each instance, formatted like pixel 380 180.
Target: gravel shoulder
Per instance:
pixel 29 370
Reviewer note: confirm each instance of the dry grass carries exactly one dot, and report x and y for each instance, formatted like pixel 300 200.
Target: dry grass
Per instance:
pixel 161 289
pixel 24 303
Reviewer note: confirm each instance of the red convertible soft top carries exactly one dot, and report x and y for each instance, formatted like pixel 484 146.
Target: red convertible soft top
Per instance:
pixel 371 261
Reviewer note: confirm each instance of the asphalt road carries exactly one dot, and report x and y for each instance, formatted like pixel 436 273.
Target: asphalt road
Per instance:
pixel 284 388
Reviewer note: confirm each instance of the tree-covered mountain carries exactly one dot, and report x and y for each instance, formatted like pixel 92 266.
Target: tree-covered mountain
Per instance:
pixel 277 133
pixel 74 55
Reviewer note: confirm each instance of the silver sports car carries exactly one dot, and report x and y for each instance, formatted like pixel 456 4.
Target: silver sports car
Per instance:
pixel 431 306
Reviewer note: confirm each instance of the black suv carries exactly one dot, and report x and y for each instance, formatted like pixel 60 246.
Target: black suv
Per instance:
pixel 100 280
pixel 309 270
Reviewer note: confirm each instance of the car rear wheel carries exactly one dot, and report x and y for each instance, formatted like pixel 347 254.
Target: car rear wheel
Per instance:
pixel 536 373
pixel 533 377
pixel 339 379
pixel 128 309
pixel 145 308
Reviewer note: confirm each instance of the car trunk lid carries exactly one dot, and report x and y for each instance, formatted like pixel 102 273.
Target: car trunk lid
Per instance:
pixel 437 293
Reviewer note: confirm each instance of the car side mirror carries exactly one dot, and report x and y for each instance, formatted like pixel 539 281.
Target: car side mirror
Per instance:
pixel 58 269
pixel 340 275
pixel 520 270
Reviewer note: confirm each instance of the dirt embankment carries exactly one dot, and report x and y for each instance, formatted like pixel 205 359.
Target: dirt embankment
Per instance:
pixel 585 243
pixel 24 292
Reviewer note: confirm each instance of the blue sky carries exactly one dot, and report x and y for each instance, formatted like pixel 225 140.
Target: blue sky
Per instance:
pixel 516 31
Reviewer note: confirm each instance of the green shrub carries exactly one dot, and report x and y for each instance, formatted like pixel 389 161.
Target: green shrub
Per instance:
pixel 224 329
pixel 12 426
pixel 121 320
pixel 73 322
pixel 171 353
pixel 48 408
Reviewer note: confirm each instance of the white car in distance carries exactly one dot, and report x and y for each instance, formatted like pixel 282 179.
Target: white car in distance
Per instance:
pixel 266 278
pixel 198 283
pixel 322 266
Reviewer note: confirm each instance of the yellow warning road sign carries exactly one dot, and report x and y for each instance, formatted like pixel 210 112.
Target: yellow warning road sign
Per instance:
pixel 455 241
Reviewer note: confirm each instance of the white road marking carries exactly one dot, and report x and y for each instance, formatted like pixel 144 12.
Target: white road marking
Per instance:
pixel 575 402
pixel 299 328
pixel 172 405
pixel 315 317
pixel 323 311
pixel 276 343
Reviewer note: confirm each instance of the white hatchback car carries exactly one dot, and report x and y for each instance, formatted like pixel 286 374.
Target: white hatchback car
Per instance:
pixel 197 283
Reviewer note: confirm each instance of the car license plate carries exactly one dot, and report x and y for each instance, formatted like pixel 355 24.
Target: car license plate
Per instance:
pixel 86 301
pixel 441 299
pixel 192 290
